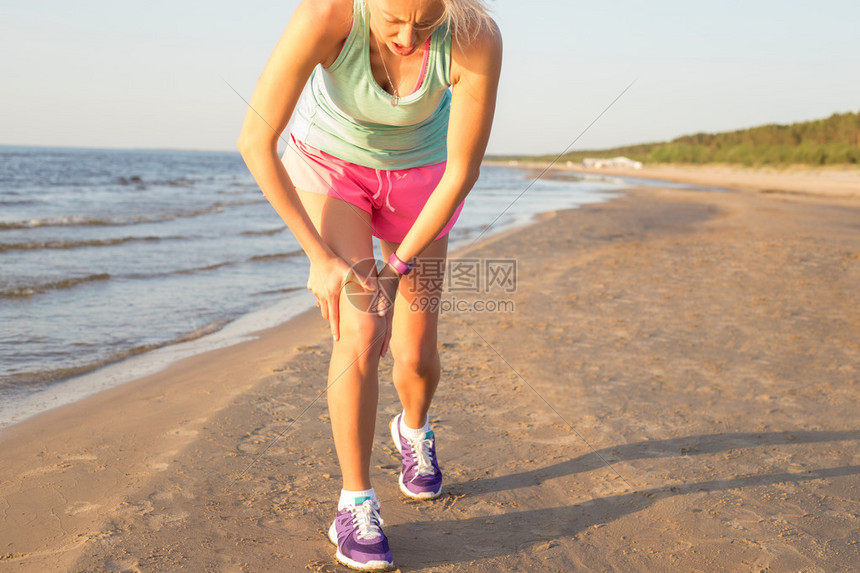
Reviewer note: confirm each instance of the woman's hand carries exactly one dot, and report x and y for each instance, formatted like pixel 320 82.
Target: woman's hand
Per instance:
pixel 383 304
pixel 326 280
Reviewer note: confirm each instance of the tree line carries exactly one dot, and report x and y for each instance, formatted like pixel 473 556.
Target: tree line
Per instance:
pixel 831 141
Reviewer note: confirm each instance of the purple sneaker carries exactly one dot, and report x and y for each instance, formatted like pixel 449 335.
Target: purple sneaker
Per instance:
pixel 420 477
pixel 357 532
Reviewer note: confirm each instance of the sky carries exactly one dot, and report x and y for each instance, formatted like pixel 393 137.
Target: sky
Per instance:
pixel 155 74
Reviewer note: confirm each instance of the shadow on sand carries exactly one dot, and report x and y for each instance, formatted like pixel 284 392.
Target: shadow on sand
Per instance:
pixel 518 530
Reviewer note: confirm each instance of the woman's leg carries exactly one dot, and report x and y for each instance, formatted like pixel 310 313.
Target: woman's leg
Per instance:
pixel 353 378
pixel 413 341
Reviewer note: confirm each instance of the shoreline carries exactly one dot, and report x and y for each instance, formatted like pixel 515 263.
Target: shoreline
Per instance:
pixel 691 368
pixel 843 183
pixel 131 368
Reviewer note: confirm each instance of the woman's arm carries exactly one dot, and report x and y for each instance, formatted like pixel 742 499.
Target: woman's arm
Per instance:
pixel 314 35
pixel 475 80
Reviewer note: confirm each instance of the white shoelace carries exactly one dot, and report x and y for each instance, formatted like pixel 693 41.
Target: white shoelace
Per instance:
pixel 421 447
pixel 365 517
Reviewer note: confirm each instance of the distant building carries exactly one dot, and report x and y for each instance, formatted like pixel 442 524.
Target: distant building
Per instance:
pixel 615 162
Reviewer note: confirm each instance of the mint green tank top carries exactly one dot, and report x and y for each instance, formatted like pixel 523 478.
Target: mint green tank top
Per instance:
pixel 344 112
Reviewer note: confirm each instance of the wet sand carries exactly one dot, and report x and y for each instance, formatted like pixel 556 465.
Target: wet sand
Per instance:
pixel 676 389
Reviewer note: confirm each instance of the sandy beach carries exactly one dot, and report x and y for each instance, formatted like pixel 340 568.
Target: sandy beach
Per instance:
pixel 842 182
pixel 676 389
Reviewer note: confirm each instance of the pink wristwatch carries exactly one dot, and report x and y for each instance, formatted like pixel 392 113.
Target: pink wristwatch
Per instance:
pixel 400 266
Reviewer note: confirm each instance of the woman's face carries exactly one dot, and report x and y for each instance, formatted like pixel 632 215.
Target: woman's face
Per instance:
pixel 403 25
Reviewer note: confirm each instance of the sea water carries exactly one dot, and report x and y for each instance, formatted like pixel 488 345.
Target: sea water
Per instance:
pixel 111 254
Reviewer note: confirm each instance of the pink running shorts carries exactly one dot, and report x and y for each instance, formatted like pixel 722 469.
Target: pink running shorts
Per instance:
pixel 393 198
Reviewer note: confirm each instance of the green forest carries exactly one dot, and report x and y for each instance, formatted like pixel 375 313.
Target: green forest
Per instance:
pixel 831 141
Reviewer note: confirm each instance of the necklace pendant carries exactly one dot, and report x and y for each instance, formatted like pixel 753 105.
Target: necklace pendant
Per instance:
pixel 394 100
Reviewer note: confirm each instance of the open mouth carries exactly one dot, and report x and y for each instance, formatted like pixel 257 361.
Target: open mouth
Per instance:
pixel 402 50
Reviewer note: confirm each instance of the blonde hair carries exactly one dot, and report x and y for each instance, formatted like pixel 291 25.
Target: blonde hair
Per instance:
pixel 466 19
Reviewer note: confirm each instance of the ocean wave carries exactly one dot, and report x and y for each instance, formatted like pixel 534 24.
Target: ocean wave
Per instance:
pixel 276 256
pixel 20 380
pixel 18 202
pixel 27 291
pixel 243 191
pixel 138 182
pixel 221 265
pixel 124 220
pixel 23 380
pixel 203 269
pixel 266 233
pixel 63 245
pixel 135 180
pixel 215 266
pixel 284 290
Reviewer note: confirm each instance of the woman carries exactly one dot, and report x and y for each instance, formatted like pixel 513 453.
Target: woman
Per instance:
pixel 386 141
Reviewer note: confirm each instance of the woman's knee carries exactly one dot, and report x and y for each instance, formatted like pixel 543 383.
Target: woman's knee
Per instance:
pixel 362 332
pixel 419 359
